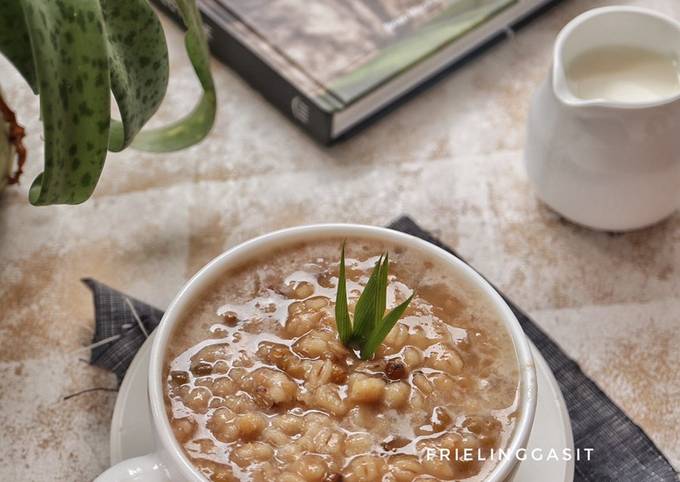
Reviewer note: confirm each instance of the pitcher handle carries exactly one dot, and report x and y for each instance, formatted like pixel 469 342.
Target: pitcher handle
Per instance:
pixel 147 468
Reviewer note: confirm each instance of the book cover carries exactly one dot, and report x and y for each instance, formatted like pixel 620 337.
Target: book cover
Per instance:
pixel 338 51
pixel 330 64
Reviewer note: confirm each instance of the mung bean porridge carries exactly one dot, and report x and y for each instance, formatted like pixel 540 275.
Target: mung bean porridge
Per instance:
pixel 260 388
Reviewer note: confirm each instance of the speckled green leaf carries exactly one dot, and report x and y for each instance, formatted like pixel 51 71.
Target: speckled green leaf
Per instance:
pixel 138 62
pixel 196 125
pixel 14 40
pixel 71 62
pixel 74 53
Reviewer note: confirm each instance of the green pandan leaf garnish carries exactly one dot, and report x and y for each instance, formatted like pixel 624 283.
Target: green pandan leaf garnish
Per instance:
pixel 371 325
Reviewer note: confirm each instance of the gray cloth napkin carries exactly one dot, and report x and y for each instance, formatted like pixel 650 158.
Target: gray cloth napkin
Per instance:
pixel 622 452
pixel 117 332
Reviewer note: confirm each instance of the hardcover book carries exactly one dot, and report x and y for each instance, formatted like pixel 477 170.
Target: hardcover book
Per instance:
pixel 331 64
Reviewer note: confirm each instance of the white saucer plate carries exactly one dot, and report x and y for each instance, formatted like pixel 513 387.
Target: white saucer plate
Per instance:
pixel 131 433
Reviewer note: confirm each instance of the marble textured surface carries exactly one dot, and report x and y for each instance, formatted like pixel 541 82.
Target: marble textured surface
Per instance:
pixel 451 158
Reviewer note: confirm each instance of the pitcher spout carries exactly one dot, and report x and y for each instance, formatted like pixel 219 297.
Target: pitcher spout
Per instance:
pixel 563 91
pixel 606 37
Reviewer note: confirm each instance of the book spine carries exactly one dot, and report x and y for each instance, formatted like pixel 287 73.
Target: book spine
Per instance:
pixel 273 86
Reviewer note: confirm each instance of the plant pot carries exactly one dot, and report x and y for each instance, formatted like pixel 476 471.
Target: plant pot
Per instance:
pixel 7 153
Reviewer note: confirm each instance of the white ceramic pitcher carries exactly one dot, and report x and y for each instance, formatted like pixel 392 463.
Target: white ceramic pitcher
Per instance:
pixel 606 165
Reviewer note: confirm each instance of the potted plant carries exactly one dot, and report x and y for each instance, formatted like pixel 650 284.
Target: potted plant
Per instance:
pixel 74 54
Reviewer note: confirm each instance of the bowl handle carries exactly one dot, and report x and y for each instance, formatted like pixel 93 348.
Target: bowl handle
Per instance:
pixel 147 468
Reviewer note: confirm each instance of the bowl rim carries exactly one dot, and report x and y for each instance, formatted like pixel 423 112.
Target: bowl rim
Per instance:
pixel 244 251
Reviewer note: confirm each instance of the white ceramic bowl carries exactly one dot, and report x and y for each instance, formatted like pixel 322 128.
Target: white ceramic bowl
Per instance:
pixel 169 462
